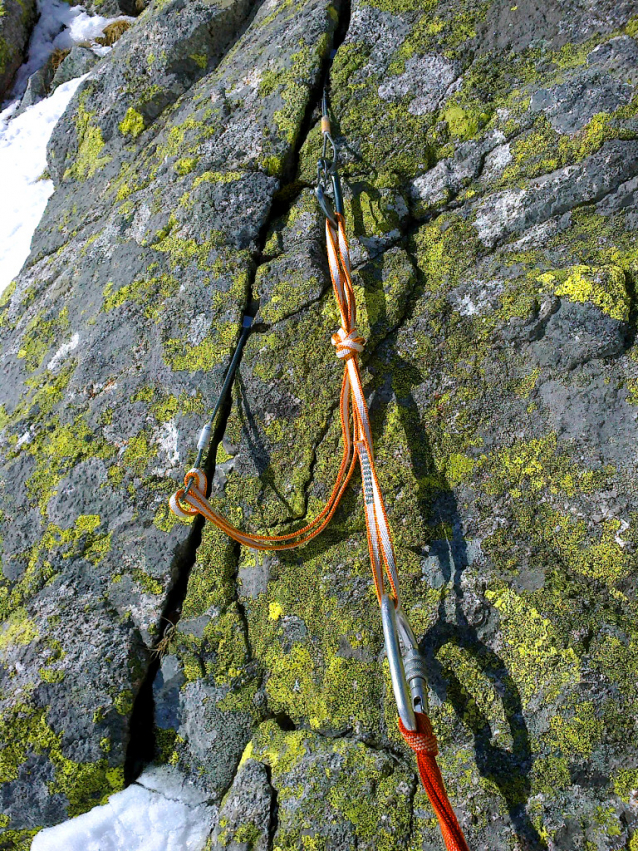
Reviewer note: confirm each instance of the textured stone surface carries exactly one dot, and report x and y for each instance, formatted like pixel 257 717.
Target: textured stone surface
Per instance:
pixel 490 183
pixel 245 816
pixel 79 61
pixel 16 20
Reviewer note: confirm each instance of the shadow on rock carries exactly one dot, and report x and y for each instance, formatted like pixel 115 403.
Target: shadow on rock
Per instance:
pixel 508 769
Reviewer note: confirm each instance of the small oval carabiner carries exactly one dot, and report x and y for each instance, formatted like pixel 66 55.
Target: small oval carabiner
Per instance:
pixel 325 205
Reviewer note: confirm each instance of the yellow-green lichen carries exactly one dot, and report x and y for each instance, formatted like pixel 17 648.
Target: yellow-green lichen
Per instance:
pixel 84 784
pixel 18 840
pixel 123 702
pixel 199 59
pixel 343 782
pixel 211 581
pixel 542 149
pixel 550 774
pixel 138 454
pixel 51 675
pixel 528 467
pixel 217 177
pixel 603 286
pixel 527 384
pixel 19 629
pixel 185 165
pixel 132 124
pixel 151 292
pixel 292 83
pixel 148 584
pixel 602 556
pixel 83 539
pixel 57 451
pixel 532 650
pixel 626 783
pixel 89 157
pixel 399 143
pixel 226 634
pixel 40 335
pixel 457 468
pixel 575 732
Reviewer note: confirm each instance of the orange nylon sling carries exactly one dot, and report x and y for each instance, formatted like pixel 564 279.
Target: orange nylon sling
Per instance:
pixel 407 666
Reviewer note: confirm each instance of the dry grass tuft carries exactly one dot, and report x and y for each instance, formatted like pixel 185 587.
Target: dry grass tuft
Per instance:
pixel 163 645
pixel 57 58
pixel 112 32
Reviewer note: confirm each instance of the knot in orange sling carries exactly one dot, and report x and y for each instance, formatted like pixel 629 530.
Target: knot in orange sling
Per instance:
pixel 407 667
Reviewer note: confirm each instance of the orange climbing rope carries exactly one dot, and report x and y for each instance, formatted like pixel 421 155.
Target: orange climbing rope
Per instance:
pixel 407 667
pixel 423 743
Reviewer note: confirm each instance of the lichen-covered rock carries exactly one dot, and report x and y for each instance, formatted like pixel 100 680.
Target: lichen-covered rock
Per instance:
pixel 115 333
pixel 44 81
pixel 77 62
pixel 245 817
pixel 151 67
pixel 490 164
pixel 16 20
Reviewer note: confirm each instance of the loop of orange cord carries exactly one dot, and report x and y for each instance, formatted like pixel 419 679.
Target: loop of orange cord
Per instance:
pixel 357 445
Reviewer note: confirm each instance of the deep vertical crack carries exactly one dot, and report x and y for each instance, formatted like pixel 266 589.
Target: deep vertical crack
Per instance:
pixel 632 322
pixel 141 745
pixel 291 184
pixel 241 609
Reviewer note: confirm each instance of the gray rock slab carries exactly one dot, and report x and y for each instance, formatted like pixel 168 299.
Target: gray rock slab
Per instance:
pixel 120 327
pixel 512 211
pixel 79 61
pixel 16 22
pixel 570 106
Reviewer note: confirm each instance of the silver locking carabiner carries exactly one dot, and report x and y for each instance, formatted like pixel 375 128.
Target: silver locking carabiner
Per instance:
pixel 407 666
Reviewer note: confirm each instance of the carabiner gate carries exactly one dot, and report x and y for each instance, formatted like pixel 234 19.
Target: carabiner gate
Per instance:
pixel 407 666
pixel 322 198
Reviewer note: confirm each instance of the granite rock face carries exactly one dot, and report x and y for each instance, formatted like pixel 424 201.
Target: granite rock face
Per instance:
pixel 490 161
pixel 16 20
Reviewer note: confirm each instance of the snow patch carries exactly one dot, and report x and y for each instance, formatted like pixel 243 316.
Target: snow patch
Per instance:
pixel 23 144
pixel 161 812
pixel 59 27
pixel 24 139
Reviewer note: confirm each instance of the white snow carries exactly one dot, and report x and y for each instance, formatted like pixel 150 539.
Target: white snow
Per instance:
pixel 24 138
pixel 59 26
pixel 23 142
pixel 161 812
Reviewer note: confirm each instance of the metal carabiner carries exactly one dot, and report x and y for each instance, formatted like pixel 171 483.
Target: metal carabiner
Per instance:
pixel 326 131
pixel 407 666
pixel 327 170
pixel 324 203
